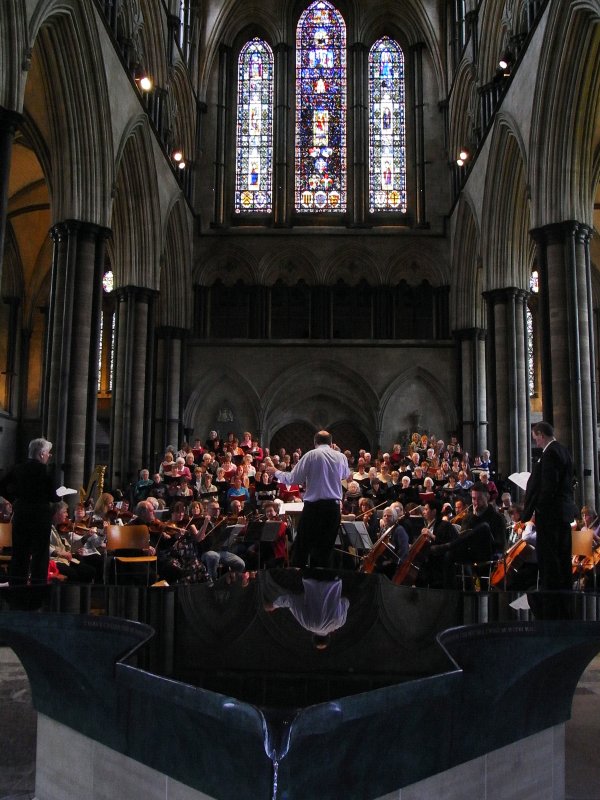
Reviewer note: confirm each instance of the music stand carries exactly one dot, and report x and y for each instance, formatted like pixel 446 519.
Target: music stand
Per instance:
pixel 355 534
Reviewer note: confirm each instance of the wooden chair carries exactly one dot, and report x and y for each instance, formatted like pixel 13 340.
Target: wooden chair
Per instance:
pixel 582 546
pixel 5 541
pixel 129 538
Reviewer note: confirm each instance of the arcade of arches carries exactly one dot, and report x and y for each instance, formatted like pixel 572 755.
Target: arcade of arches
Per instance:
pixel 276 238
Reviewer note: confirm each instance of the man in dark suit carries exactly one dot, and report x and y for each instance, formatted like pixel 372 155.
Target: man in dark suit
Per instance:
pixel 549 499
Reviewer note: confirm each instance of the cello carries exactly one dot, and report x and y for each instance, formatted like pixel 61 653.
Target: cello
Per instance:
pixel 510 562
pixel 407 572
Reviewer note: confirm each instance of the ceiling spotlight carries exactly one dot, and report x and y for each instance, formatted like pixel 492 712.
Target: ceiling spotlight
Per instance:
pixel 177 155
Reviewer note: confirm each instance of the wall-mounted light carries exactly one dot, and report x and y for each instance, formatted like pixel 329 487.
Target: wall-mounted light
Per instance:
pixel 505 63
pixel 144 82
pixel 177 156
pixel 462 158
pixel 181 165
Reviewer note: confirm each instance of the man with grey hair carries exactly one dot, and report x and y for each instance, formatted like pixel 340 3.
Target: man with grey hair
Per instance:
pixel 31 489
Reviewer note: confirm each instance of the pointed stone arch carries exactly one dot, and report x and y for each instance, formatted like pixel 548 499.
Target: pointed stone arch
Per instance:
pixel 467 310
pixel 416 264
pixel 219 385
pixel 406 396
pixel 493 37
pixel 64 37
pixel 13 39
pixel 289 264
pixel 351 265
pixel 506 212
pixel 331 393
pixel 136 219
pixel 228 264
pixel 175 299
pixel 462 124
pixel 565 115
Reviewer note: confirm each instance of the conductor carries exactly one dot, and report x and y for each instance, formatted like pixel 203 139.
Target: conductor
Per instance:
pixel 321 472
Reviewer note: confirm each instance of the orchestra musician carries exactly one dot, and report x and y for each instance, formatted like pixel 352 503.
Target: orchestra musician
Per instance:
pixel 482 534
pixel 437 571
pixel 215 552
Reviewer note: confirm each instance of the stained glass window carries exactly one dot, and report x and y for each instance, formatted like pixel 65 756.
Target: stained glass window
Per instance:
pixel 320 110
pixel 534 287
pixel 254 161
pixel 387 133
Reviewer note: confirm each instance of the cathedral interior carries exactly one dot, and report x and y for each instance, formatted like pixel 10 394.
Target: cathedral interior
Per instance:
pixel 279 216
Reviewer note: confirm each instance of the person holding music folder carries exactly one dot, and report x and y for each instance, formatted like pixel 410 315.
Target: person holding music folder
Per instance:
pixel 31 488
pixel 549 500
pixel 321 472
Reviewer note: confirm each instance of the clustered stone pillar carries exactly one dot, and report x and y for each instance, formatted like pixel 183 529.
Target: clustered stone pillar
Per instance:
pixel 472 388
pixel 132 394
pixel 71 374
pixel 419 129
pixel 9 121
pixel 221 140
pixel 280 131
pixel 358 54
pixel 169 356
pixel 567 353
pixel 507 379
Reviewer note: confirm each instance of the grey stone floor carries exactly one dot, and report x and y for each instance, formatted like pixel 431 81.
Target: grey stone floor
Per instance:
pixel 18 724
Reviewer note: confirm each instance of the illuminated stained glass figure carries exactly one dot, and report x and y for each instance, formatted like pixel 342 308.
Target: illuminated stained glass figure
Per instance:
pixel 254 132
pixel 387 133
pixel 320 166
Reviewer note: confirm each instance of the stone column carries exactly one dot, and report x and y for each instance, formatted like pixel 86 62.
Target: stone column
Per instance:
pixel 168 426
pixel 280 136
pixel 69 418
pixel 508 383
pixel 568 374
pixel 221 139
pixel 471 381
pixel 360 125
pixel 419 135
pixel 9 121
pixel 132 390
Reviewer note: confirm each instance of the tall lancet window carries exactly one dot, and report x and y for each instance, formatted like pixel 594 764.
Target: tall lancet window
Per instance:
pixel 320 110
pixel 254 138
pixel 387 128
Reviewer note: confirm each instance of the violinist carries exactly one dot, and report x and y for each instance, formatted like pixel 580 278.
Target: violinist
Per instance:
pixel 104 511
pixel 368 515
pixel 212 558
pixel 177 549
pixel 522 576
pixel 437 572
pixel 60 549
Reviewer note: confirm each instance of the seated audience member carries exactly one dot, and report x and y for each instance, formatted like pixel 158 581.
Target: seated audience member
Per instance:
pixel 484 477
